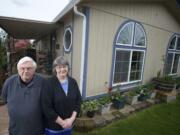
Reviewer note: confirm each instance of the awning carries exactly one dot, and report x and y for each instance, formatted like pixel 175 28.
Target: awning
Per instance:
pixel 26 29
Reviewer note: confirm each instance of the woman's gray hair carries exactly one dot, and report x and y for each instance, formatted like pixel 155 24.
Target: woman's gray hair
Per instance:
pixel 61 60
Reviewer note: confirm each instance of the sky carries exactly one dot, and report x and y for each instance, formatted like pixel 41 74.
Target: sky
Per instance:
pixel 41 10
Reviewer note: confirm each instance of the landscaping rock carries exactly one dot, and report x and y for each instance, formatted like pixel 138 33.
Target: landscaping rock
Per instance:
pixel 99 121
pixel 127 110
pixel 108 117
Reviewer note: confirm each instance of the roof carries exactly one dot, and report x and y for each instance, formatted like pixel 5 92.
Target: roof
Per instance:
pixel 172 5
pixel 26 29
pixel 30 29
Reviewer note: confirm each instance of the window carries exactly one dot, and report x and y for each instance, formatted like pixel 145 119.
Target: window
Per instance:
pixel 130 48
pixel 173 55
pixel 67 40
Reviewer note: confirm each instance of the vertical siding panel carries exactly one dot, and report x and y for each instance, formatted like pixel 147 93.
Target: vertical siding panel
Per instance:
pixel 77 45
pixel 105 20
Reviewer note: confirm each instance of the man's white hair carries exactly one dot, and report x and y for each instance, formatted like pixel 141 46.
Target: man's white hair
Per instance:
pixel 26 59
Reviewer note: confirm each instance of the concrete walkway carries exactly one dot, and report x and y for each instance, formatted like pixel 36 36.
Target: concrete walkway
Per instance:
pixel 3 120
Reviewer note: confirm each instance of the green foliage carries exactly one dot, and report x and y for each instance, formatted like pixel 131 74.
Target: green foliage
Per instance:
pixel 117 96
pixel 104 100
pixel 3 58
pixel 162 119
pixel 89 105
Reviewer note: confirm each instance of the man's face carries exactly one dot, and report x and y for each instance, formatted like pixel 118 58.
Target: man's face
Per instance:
pixel 26 71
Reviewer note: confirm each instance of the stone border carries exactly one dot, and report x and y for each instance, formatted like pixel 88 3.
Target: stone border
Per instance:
pixel 84 124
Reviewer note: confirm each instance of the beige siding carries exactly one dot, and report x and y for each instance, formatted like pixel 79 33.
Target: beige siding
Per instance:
pixel 157 42
pixel 74 57
pixel 77 45
pixel 103 28
pixel 105 20
pixel 151 14
pixel 67 21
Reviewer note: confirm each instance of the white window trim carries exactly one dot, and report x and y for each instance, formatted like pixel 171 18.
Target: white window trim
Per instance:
pixel 129 82
pixel 67 49
pixel 173 63
pixel 175 44
pixel 131 35
pixel 144 35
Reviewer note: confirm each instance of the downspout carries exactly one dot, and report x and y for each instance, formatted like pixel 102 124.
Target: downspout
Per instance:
pixel 83 48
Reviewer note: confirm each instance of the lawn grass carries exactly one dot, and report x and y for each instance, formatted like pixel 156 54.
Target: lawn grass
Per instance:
pixel 161 119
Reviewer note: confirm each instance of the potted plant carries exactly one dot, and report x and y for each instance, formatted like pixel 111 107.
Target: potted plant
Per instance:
pixel 132 95
pixel 89 107
pixel 165 83
pixel 150 87
pixel 105 103
pixel 178 83
pixel 118 100
pixel 144 94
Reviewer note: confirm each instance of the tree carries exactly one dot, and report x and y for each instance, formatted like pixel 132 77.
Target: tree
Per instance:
pixel 3 57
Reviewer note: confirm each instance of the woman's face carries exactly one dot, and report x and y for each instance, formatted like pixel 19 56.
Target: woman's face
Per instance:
pixel 62 71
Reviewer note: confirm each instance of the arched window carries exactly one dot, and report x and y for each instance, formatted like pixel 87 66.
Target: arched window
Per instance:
pixel 130 48
pixel 172 57
pixel 67 40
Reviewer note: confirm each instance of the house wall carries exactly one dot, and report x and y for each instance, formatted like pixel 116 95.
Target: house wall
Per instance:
pixel 68 22
pixel 59 40
pixel 77 47
pixel 74 56
pixel 105 20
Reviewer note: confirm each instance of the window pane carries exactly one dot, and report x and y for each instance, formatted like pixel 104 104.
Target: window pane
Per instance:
pixel 125 35
pixel 169 63
pixel 178 44
pixel 139 36
pixel 175 64
pixel 136 65
pixel 121 66
pixel 67 39
pixel 172 43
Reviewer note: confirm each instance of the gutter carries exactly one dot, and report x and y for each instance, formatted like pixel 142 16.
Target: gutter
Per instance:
pixel 83 47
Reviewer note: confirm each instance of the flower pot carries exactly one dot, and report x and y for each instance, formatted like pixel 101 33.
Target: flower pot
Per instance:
pixel 142 97
pixel 152 95
pixel 104 109
pixel 90 114
pixel 132 100
pixel 118 104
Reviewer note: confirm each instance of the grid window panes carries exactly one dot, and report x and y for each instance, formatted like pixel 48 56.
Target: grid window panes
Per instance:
pixel 136 65
pixel 121 66
pixel 139 36
pixel 172 43
pixel 129 60
pixel 67 39
pixel 169 63
pixel 175 64
pixel 173 55
pixel 178 43
pixel 125 35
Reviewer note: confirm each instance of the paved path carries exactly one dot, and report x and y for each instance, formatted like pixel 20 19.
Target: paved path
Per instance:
pixel 3 120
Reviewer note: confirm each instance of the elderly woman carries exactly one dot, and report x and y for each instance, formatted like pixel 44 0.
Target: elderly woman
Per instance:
pixel 61 100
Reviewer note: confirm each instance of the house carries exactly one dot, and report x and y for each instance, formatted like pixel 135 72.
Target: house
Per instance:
pixel 116 43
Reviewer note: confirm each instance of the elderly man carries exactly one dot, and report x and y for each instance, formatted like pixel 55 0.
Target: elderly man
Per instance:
pixel 22 93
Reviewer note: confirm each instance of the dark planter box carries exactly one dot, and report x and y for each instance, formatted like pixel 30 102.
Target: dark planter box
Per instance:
pixel 142 97
pixel 118 104
pixel 90 114
pixel 164 86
